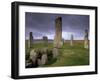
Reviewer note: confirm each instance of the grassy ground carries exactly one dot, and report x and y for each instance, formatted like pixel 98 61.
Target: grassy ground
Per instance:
pixel 68 55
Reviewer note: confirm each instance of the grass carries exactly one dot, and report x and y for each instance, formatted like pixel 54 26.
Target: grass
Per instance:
pixel 68 55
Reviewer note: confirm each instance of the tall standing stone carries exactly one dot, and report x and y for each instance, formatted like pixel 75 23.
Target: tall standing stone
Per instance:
pixel 45 40
pixel 71 40
pixel 86 45
pixel 30 41
pixel 58 32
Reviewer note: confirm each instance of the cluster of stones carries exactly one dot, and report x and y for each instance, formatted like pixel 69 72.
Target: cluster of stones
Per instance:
pixel 40 57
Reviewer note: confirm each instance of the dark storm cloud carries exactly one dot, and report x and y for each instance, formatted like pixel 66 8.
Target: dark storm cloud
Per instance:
pixel 76 21
pixel 44 24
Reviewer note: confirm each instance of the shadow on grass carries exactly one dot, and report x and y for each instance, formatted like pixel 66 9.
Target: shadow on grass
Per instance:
pixel 51 62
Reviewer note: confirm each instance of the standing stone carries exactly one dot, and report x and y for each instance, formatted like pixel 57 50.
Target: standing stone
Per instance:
pixel 55 52
pixel 86 45
pixel 33 56
pixel 45 40
pixel 58 32
pixel 44 59
pixel 71 40
pixel 30 41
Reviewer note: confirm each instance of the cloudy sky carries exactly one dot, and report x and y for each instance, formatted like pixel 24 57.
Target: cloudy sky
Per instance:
pixel 43 24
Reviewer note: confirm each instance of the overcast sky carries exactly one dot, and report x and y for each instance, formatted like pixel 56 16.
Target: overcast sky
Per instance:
pixel 43 24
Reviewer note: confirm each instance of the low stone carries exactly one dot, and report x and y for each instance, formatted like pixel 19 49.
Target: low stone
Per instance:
pixel 44 59
pixel 33 56
pixel 55 52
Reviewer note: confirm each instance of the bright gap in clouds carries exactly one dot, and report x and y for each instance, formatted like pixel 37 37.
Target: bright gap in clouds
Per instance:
pixel 76 36
pixel 66 35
